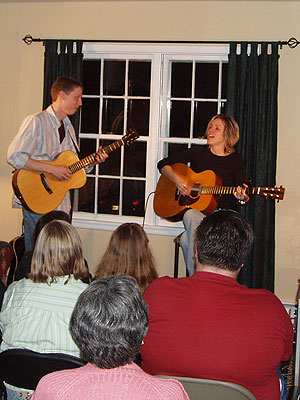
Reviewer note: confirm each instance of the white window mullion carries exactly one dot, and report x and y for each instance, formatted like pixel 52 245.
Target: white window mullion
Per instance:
pixel 161 57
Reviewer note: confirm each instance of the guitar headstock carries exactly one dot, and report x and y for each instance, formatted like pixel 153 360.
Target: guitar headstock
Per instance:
pixel 130 136
pixel 276 193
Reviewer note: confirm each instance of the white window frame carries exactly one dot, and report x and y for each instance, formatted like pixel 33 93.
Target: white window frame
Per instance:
pixel 160 55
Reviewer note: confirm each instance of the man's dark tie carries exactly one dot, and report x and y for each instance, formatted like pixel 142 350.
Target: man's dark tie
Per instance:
pixel 61 131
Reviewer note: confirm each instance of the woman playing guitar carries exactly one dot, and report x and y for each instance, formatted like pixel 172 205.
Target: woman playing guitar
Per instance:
pixel 219 156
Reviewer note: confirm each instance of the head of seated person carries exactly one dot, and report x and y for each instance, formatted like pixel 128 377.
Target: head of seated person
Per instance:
pixel 128 253
pixel 223 241
pixel 57 252
pixel 110 321
pixel 50 216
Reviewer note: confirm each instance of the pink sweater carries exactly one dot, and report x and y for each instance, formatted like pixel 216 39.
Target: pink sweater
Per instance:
pixel 90 382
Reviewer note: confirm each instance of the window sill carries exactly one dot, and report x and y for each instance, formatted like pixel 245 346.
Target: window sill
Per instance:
pixel 173 229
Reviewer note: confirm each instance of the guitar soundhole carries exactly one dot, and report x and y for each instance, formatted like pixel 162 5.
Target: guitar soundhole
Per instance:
pixel 46 184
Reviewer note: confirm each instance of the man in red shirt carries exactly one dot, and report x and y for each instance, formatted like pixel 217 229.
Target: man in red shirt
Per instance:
pixel 210 326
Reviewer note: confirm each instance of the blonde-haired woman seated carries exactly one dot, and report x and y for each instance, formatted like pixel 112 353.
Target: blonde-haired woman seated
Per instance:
pixel 128 253
pixel 36 312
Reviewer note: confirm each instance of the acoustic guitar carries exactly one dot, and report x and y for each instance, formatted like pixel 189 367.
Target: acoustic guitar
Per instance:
pixel 206 189
pixel 43 192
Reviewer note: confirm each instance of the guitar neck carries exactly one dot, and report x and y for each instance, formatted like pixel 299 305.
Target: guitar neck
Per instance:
pixel 85 162
pixel 218 190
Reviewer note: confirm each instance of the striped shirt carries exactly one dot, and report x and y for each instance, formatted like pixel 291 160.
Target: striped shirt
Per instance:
pixel 38 138
pixel 36 316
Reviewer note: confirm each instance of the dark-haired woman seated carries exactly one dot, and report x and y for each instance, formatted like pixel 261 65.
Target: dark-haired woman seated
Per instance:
pixel 109 323
pixel 36 312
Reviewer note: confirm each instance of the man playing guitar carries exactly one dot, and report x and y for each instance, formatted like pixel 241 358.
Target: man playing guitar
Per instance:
pixel 42 137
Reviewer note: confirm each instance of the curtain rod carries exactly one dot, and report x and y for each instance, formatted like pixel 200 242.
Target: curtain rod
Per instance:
pixel 292 42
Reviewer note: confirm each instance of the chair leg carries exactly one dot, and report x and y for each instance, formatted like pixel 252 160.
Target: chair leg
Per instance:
pixel 176 256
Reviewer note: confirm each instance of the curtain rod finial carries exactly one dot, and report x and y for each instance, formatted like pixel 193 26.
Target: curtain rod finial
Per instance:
pixel 292 42
pixel 28 39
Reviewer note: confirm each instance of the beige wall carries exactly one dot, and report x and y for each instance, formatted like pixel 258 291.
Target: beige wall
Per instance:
pixel 21 81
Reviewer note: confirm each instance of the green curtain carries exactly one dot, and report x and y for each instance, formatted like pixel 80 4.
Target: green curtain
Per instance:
pixel 62 58
pixel 252 100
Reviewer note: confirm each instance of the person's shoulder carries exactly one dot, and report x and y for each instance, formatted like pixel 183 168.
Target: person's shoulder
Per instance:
pixel 160 281
pixel 265 299
pixel 236 157
pixel 172 389
pixel 68 284
pixel 200 148
pixel 165 286
pixel 53 385
pixel 165 388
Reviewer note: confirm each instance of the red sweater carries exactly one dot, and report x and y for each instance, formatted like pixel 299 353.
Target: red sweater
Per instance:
pixel 210 326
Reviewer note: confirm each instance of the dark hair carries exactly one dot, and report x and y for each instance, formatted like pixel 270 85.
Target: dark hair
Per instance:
pixel 65 84
pixel 50 216
pixel 128 253
pixel 110 321
pixel 224 240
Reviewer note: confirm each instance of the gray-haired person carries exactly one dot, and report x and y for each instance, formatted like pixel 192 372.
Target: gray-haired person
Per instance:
pixel 109 323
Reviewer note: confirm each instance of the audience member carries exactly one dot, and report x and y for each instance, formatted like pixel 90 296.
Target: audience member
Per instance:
pixel 128 253
pixel 210 326
pixel 24 265
pixel 109 323
pixel 36 312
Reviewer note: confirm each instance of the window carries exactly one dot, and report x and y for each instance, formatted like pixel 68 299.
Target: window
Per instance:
pixel 167 94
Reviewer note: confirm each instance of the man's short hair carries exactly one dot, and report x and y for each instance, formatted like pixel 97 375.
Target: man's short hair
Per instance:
pixel 65 84
pixel 224 240
pixel 110 321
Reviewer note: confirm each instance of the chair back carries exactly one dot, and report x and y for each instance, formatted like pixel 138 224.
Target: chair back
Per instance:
pixel 6 255
pixel 24 368
pixel 207 389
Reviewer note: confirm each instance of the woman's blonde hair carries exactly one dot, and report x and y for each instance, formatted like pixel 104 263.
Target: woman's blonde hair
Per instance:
pixel 128 253
pixel 57 252
pixel 231 130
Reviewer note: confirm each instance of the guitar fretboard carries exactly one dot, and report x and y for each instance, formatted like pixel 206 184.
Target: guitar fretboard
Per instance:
pixel 218 190
pixel 85 162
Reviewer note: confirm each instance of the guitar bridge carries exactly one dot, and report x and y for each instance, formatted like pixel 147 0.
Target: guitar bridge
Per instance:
pixel 46 184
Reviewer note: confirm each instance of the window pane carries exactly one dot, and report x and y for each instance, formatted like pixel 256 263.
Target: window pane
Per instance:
pixel 181 79
pixel 133 198
pixel 180 114
pixel 112 119
pixel 108 196
pixel 203 112
pixel 138 116
pixel 174 148
pixel 88 147
pixel 91 76
pixel 112 165
pixel 206 80
pixel 135 159
pixel 90 116
pixel 139 78
pixel 86 196
pixel 114 77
